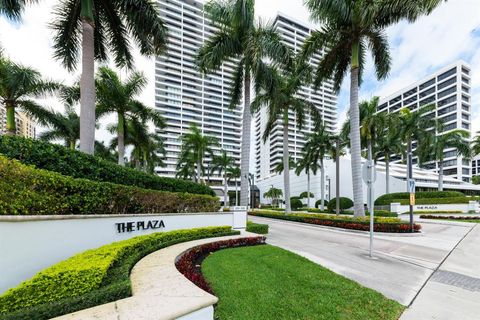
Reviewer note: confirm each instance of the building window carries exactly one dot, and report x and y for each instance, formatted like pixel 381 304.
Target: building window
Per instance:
pixel 446 83
pixel 446 92
pixel 427 84
pixel 466 171
pixel 447 74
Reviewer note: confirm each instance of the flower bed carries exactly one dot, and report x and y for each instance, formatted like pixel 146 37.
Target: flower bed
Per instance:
pixel 390 225
pixel 91 278
pixel 25 190
pixel 189 263
pixel 450 217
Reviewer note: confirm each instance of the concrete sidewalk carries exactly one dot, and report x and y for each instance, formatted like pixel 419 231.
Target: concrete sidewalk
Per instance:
pixel 453 291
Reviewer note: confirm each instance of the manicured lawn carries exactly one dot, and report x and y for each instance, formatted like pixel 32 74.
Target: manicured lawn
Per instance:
pixel 266 282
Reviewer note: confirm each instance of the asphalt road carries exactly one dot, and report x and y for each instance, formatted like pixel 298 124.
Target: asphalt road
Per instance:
pixel 401 264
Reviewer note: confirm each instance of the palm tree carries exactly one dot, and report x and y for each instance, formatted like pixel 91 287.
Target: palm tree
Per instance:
pixel 336 150
pixel 64 126
pixel 102 151
pixel 240 38
pixel 13 9
pixel 280 97
pixel 221 163
pixel 18 86
pixel 476 145
pixel 316 148
pixel 95 28
pixel 233 172
pixel 435 150
pixel 117 96
pixel 417 125
pixel 197 146
pixel 349 29
pixel 274 194
pixel 388 143
pixel 186 166
pixel 308 165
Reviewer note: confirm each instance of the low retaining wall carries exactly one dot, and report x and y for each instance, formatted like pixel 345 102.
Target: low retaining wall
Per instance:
pixel 465 207
pixel 29 244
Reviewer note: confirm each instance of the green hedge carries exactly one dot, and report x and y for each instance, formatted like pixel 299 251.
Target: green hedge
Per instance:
pixel 77 164
pixel 345 203
pixel 456 200
pixel 90 278
pixel 378 213
pixel 25 190
pixel 295 203
pixel 381 224
pixel 319 202
pixel 257 227
pixel 386 199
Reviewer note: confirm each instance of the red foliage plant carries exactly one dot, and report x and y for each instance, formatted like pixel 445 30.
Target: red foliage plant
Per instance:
pixel 189 263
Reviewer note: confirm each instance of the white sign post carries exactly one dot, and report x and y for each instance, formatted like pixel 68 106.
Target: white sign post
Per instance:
pixel 369 175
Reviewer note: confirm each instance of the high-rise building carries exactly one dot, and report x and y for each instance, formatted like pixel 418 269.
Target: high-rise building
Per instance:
pixel 185 96
pixel 476 166
pixel 449 90
pixel 269 154
pixel 25 125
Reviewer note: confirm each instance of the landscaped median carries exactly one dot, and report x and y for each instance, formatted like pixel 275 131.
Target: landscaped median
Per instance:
pixel 91 278
pixel 26 190
pixel 381 224
pixel 473 219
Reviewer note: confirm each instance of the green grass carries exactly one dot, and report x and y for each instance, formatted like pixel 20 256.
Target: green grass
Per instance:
pixel 266 282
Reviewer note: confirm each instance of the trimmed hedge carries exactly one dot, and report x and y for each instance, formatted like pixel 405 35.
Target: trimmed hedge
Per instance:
pixel 377 213
pixel 455 200
pixel 91 278
pixel 257 227
pixel 319 202
pixel 77 164
pixel 188 262
pixel 25 190
pixel 434 212
pixel 450 217
pixel 345 203
pixel 316 210
pixel 386 199
pixel 391 225
pixel 295 203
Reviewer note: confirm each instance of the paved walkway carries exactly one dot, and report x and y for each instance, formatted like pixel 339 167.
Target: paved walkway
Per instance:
pixel 453 291
pixel 401 264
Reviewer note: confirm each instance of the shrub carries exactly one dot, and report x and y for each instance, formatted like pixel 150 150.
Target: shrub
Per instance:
pixel 345 203
pixel 450 217
pixel 392 225
pixel 25 190
pixel 456 200
pixel 386 199
pixel 257 227
pixel 304 195
pixel 319 202
pixel 312 210
pixel 90 278
pixel 77 164
pixel 378 213
pixel 188 266
pixel 295 203
pixel 440 211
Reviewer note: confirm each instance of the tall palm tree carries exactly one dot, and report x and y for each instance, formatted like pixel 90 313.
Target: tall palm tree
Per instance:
pixel 435 149
pixel 19 85
pixel 186 166
pixel 239 37
pixel 280 97
pixel 388 143
pixel 117 96
pixel 102 151
pixel 316 148
pixel 197 146
pixel 222 163
pixel 349 29
pixel 476 145
pixel 336 150
pixel 233 172
pixel 64 126
pixel 97 28
pixel 416 126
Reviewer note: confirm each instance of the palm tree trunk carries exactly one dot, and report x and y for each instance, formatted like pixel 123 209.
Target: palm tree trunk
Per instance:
pixel 225 191
pixel 440 175
pixel 72 144
pixel 387 175
pixel 121 138
pixel 236 192
pixel 145 164
pixel 308 189
pixel 245 148
pixel 199 165
pixel 359 210
pixel 11 125
pixel 322 185
pixel 337 179
pixel 87 90
pixel 286 169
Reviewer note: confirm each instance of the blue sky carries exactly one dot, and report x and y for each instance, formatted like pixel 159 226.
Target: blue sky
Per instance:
pixel 450 33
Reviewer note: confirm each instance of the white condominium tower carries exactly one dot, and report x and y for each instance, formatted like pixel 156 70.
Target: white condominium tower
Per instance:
pixel 269 154
pixel 184 96
pixel 449 89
